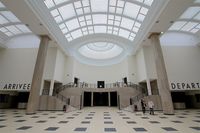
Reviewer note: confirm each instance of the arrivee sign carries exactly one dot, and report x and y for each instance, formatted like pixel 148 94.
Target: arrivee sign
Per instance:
pixel 15 86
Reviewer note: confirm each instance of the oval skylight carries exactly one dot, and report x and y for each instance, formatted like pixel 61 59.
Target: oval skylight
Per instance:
pixel 83 17
pixel 100 50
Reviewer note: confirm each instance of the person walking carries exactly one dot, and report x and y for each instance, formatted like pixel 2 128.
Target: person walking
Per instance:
pixel 143 105
pixel 151 106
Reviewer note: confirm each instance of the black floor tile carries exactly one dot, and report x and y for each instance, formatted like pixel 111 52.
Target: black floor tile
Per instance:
pixel 138 114
pixel 1 126
pixel 2 119
pixel 122 114
pixel 169 129
pixel 107 117
pixel 181 117
pixel 145 117
pixel 75 114
pixel 88 117
pixel 140 129
pixel 131 122
pixel 35 116
pixel 109 129
pixel 85 122
pixel 79 112
pixel 24 128
pixel 52 117
pixel 197 121
pixel 125 117
pixel 154 122
pixel 20 120
pixel 197 116
pixel 184 114
pixel 41 121
pixel 106 114
pixel 82 129
pixel 16 113
pixel 163 117
pixel 196 128
pixel 90 114
pixel 45 114
pixel 18 116
pixel 70 117
pixel 51 128
pixel 63 122
pixel 177 121
pixel 108 122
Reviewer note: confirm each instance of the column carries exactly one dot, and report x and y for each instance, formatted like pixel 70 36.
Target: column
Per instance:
pixel 149 87
pixel 51 88
pixel 33 100
pixel 163 84
pixel 109 99
pixel 92 97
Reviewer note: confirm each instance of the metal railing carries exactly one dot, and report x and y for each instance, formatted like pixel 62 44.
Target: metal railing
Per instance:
pixel 138 97
pixel 89 85
pixel 45 92
pixel 63 98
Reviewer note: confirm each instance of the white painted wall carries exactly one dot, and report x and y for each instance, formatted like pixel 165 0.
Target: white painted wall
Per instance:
pixel 68 70
pixel 132 73
pixel 59 66
pixel 17 65
pixel 182 63
pixel 109 74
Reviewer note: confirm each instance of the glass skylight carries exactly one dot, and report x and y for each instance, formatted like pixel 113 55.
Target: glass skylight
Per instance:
pixel 82 17
pixel 189 21
pixel 10 24
pixel 100 50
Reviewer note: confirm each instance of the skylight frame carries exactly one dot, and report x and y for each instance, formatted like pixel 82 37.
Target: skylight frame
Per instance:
pixel 83 8
pixel 13 26
pixel 191 18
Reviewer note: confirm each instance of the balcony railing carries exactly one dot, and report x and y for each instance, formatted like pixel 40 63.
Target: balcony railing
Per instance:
pixel 89 85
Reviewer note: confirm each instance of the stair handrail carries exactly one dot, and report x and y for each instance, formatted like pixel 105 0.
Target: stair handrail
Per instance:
pixel 62 98
pixel 138 97
pixel 63 87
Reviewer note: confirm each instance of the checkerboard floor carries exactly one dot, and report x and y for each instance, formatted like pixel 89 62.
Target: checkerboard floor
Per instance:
pixel 95 120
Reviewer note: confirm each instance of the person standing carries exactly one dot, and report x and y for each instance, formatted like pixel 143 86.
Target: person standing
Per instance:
pixel 143 105
pixel 151 106
pixel 64 108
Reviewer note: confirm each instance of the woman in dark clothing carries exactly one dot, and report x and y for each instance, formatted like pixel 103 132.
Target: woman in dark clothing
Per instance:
pixel 143 105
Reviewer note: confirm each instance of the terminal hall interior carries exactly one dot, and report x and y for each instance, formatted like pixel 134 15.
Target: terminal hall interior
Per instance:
pixel 86 65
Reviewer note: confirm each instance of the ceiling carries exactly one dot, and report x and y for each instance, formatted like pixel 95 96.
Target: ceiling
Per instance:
pixel 113 24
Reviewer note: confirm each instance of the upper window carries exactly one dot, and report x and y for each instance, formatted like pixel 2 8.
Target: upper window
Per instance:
pixel 189 20
pixel 10 25
pixel 82 17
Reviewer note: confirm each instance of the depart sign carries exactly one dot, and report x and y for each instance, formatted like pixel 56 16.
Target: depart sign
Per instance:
pixel 15 87
pixel 185 86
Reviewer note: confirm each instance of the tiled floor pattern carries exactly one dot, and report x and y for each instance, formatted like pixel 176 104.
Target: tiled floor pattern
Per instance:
pixel 99 120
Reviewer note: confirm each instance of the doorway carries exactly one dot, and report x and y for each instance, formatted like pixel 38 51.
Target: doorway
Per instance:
pixel 113 99
pixel 87 99
pixel 100 99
